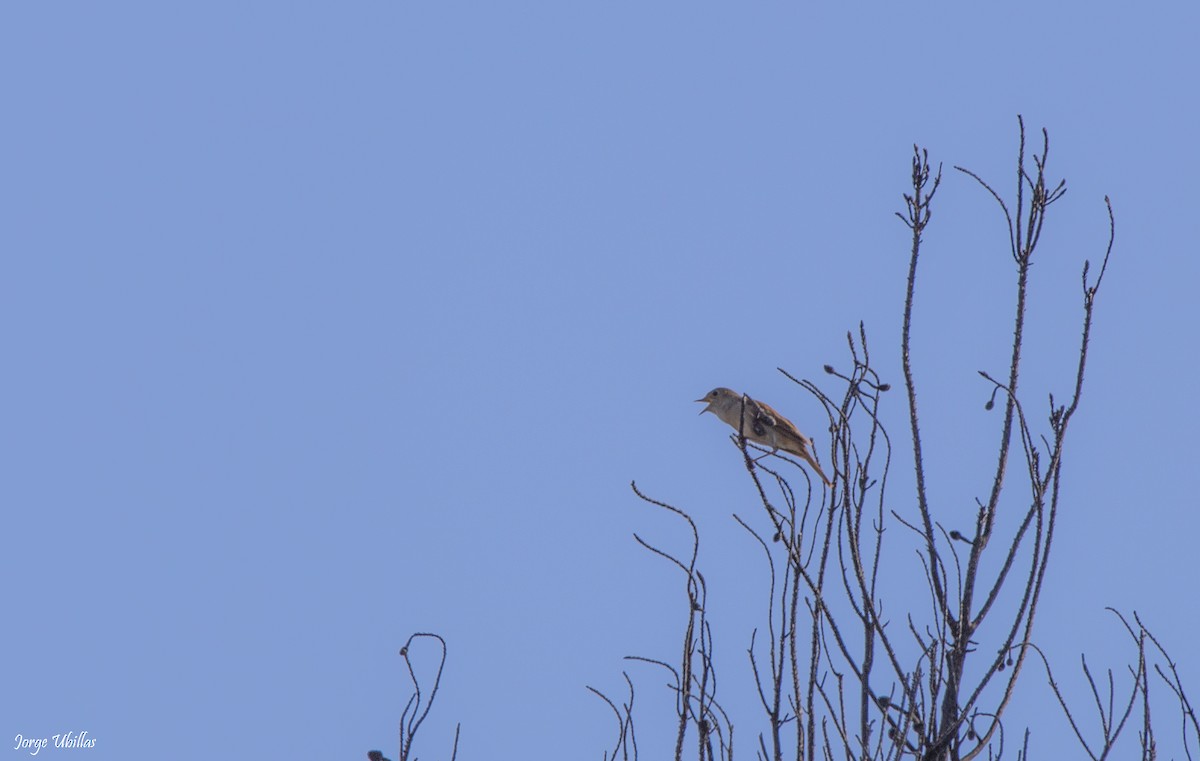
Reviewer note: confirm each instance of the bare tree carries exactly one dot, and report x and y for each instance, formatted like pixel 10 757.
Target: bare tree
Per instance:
pixel 836 676
pixel 417 708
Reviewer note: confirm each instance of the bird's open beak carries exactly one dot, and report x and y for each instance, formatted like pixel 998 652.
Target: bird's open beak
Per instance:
pixel 702 399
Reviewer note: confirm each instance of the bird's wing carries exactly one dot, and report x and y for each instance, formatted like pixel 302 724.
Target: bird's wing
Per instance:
pixel 781 424
pixel 763 413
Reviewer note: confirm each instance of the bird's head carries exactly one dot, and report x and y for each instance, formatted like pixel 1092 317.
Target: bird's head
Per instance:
pixel 719 400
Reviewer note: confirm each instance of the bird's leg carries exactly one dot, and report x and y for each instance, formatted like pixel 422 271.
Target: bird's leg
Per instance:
pixel 764 454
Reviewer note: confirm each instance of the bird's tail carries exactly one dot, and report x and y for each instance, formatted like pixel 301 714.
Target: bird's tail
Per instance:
pixel 812 461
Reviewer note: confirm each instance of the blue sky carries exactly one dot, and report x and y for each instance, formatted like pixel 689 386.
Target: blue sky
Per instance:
pixel 325 324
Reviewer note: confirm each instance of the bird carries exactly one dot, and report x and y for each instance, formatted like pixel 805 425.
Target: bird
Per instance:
pixel 761 424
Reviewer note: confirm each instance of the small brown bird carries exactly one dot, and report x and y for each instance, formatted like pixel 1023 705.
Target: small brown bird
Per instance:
pixel 762 425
